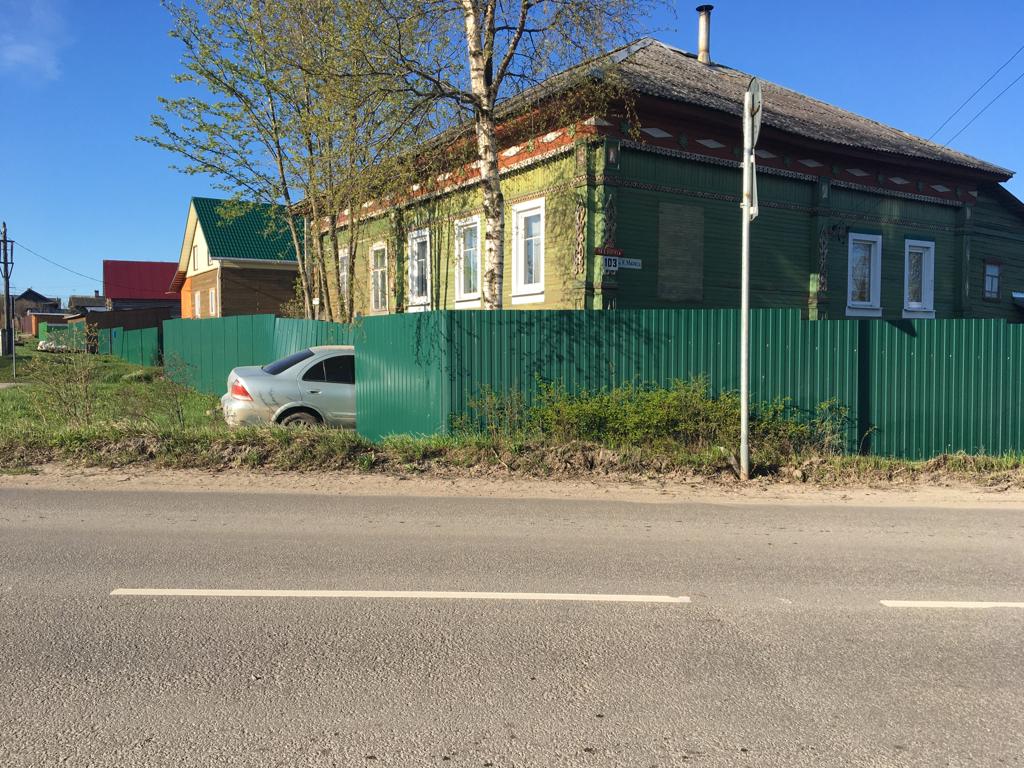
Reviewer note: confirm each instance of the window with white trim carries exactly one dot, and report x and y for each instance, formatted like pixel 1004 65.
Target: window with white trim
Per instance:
pixel 379 277
pixel 197 310
pixel 467 259
pixel 528 251
pixel 195 257
pixel 864 276
pixel 919 279
pixel 993 272
pixel 419 269
pixel 213 303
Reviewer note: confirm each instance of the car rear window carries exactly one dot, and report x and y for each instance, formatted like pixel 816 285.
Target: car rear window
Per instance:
pixel 285 363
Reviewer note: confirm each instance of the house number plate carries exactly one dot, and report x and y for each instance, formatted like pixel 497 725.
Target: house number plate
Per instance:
pixel 615 263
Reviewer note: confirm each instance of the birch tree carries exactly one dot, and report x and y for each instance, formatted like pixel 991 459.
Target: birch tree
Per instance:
pixel 472 54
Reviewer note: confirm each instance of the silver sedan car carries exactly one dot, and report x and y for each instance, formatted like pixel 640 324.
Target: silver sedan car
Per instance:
pixel 311 387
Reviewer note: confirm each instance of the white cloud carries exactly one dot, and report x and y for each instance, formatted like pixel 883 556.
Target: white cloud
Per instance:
pixel 31 37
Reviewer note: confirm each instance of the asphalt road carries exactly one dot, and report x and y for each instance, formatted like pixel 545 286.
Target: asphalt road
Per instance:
pixel 783 657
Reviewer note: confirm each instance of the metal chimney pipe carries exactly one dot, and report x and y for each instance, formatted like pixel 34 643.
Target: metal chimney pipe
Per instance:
pixel 704 33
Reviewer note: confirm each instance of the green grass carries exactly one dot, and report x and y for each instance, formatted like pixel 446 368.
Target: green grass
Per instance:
pixel 116 402
pixel 24 352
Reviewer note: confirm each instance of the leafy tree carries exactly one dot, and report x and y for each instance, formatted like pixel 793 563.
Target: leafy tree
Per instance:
pixel 231 125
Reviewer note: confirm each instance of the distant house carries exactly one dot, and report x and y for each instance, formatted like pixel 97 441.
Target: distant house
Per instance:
pixel 236 259
pixel 33 301
pixel 31 305
pixel 139 284
pixel 94 303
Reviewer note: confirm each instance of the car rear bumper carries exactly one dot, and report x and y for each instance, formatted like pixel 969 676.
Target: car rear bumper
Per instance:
pixel 240 413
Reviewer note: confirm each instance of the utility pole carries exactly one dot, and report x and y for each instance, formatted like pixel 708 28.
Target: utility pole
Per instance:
pixel 751 129
pixel 7 266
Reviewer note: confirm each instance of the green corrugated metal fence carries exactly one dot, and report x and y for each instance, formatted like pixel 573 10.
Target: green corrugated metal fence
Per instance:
pixel 291 335
pixel 912 388
pixel 401 365
pixel 403 360
pixel 203 352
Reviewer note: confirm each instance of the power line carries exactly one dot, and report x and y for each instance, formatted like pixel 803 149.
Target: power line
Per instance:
pixel 24 247
pixel 983 109
pixel 976 92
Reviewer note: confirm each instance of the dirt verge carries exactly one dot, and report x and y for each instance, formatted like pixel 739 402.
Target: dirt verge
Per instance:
pixel 933 492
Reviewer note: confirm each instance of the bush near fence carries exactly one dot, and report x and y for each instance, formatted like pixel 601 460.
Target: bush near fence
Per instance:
pixel 914 389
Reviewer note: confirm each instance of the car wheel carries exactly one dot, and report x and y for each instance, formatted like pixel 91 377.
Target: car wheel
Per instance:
pixel 300 419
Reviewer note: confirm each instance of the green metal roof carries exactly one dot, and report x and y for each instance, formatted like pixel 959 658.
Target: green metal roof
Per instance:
pixel 240 230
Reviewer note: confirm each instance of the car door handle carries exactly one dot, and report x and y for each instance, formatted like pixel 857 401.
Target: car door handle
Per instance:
pixel 312 391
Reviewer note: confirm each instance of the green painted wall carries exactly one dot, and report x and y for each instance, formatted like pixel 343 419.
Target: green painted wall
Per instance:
pixel 784 238
pixel 896 220
pixel 781 235
pixel 554 181
pixel 787 270
pixel 996 234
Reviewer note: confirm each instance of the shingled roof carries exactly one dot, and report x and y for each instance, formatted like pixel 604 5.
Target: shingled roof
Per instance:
pixel 252 231
pixel 653 68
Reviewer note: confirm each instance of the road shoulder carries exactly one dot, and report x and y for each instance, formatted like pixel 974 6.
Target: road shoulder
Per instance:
pixel 695 490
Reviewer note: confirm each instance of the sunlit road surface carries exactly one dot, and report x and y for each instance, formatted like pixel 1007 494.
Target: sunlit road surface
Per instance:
pixel 178 629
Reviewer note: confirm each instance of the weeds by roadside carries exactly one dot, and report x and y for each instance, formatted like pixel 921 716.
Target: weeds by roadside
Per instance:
pixel 139 416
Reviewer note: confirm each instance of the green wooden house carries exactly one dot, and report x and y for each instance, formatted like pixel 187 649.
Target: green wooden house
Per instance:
pixel 639 207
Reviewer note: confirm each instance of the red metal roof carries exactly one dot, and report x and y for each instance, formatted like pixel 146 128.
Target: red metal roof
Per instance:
pixel 138 279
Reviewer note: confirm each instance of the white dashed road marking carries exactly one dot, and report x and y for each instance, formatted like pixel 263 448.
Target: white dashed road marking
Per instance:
pixel 947 604
pixel 401 595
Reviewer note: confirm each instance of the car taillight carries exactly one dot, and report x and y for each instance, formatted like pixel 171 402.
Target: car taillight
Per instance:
pixel 239 392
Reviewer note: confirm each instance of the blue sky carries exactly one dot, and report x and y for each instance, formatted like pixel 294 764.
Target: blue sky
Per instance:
pixel 79 80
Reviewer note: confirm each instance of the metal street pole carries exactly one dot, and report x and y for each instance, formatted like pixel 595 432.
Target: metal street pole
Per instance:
pixel 7 266
pixel 748 185
pixel 752 110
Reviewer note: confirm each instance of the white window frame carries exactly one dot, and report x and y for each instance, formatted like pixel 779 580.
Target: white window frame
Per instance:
pixel 471 299
pixel 984 280
pixel 195 257
pixel 374 269
pixel 213 302
pixel 197 307
pixel 419 303
pixel 873 307
pixel 926 309
pixel 534 292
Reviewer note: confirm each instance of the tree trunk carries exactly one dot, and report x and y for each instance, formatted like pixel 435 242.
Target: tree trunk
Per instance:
pixel 332 275
pixel 494 214
pixel 479 19
pixel 300 261
pixel 320 263
pixel 350 266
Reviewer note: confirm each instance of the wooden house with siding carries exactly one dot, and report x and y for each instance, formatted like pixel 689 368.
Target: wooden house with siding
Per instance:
pixel 639 208
pixel 236 259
